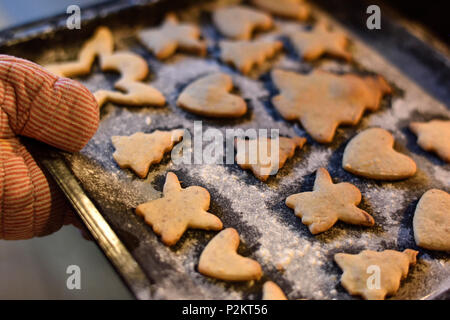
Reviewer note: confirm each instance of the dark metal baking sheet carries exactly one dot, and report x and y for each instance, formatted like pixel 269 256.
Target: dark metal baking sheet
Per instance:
pixel 269 231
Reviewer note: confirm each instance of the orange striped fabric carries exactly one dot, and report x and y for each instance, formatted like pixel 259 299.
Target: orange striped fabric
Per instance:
pixel 54 110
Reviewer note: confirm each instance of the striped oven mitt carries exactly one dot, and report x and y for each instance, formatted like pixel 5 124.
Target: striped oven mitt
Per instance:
pixel 54 110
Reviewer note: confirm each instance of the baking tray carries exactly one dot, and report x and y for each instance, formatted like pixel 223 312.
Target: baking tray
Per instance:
pixel 270 233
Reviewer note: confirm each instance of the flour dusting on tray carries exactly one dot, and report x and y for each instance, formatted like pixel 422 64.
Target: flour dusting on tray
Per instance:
pixel 300 263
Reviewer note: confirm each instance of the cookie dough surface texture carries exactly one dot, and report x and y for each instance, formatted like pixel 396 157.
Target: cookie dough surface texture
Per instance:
pixel 239 22
pixel 263 157
pixel 220 260
pixel 371 154
pixel 311 45
pixel 328 203
pixel 171 36
pixel 431 222
pixel 372 274
pixel 140 150
pixel 210 96
pixel 178 210
pixel 244 55
pixel 322 101
pixel 294 9
pixel 271 291
pixel 433 136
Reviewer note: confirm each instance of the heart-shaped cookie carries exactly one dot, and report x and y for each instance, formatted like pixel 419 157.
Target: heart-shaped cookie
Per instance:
pixel 371 154
pixel 221 261
pixel 209 96
pixel 431 221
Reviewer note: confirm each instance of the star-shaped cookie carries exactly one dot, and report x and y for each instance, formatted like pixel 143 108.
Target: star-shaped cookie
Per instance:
pixel 311 45
pixel 258 156
pixel 294 9
pixel 210 96
pixel 373 275
pixel 163 41
pixel 322 101
pixel 328 203
pixel 140 150
pixel 433 136
pixel 239 22
pixel 178 210
pixel 244 55
pixel 220 260
pixel 431 221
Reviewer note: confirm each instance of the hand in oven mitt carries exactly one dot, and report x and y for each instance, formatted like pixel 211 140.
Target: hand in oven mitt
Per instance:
pixel 58 111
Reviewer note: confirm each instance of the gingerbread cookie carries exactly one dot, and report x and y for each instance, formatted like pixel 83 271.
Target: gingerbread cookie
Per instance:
pixel 371 154
pixel 132 69
pixel 258 156
pixel 209 96
pixel 137 94
pixel 272 292
pixel 373 275
pixel 178 210
pixel 328 203
pixel 294 9
pixel 100 44
pixel 140 150
pixel 171 36
pixel 311 45
pixel 239 22
pixel 246 54
pixel 433 136
pixel 431 221
pixel 221 261
pixel 322 101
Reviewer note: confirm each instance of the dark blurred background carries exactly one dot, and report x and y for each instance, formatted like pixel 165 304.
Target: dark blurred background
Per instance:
pixel 433 15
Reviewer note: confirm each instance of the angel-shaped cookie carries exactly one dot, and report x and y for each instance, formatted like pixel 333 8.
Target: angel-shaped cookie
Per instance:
pixel 163 41
pixel 328 203
pixel 178 210
pixel 373 275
